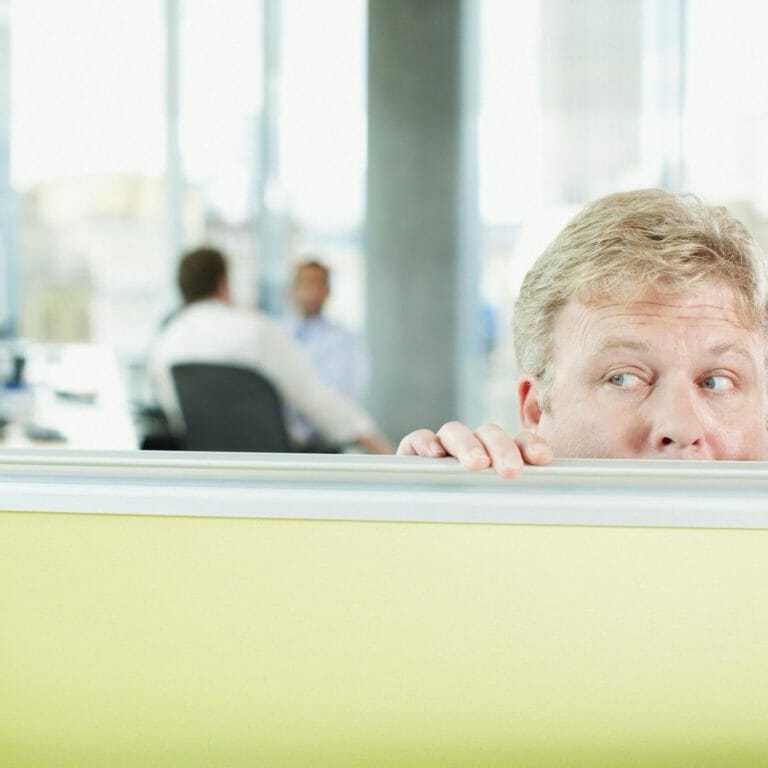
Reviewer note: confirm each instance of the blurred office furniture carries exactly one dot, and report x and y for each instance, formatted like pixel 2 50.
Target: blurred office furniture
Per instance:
pixel 65 394
pixel 229 408
pixel 206 610
pixel 155 433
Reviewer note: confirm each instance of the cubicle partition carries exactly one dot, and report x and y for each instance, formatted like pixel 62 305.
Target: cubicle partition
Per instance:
pixel 236 610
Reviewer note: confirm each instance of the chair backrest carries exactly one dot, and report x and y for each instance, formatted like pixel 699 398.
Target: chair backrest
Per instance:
pixel 228 408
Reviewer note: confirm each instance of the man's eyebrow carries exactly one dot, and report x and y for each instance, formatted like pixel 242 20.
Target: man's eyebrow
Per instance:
pixel 728 347
pixel 620 342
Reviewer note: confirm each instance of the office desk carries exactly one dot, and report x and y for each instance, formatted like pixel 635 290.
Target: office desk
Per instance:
pixel 74 397
pixel 240 610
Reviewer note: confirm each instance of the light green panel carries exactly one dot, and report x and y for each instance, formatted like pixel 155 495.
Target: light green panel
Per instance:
pixel 184 642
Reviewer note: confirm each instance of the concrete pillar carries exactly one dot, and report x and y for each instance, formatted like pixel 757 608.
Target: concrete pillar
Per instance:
pixel 422 305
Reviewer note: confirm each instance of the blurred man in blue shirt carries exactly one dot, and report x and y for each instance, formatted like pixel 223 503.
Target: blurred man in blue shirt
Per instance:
pixel 338 354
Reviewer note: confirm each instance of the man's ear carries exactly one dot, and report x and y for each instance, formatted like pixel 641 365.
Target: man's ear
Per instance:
pixel 529 399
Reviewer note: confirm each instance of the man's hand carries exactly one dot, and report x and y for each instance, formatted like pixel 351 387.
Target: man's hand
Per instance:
pixel 488 446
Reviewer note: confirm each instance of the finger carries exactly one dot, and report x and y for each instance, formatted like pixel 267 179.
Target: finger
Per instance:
pixel 534 449
pixel 506 458
pixel 460 441
pixel 421 442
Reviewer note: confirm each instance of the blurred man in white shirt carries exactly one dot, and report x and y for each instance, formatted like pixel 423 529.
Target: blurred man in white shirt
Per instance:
pixel 210 329
pixel 337 353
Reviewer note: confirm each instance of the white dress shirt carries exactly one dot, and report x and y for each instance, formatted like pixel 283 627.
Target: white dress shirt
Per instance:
pixel 213 331
pixel 338 354
pixel 340 358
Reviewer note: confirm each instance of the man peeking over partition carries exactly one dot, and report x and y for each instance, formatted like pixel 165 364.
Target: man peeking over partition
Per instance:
pixel 640 333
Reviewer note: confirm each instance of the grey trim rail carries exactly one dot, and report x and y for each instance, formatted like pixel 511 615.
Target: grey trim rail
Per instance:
pixel 371 488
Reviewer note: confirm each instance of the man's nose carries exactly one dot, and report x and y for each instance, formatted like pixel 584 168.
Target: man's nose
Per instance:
pixel 677 429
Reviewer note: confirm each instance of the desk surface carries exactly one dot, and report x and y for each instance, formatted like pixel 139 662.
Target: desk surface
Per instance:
pixel 73 398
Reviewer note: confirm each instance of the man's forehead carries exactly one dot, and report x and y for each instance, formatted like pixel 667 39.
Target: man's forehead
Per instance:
pixel 716 303
pixel 711 316
pixel 311 272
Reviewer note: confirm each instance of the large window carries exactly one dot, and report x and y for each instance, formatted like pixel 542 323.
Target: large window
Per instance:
pixel 138 129
pixel 582 99
pixel 725 117
pixel 221 131
pixel 323 142
pixel 87 141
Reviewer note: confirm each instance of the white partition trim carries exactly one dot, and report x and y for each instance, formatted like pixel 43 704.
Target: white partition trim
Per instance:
pixel 368 488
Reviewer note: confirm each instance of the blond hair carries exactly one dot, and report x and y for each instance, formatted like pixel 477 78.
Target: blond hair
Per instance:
pixel 624 244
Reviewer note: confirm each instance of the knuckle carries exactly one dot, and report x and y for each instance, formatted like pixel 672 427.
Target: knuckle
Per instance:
pixel 415 442
pixel 527 439
pixel 493 433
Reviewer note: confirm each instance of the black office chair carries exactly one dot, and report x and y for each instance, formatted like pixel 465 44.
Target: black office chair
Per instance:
pixel 228 408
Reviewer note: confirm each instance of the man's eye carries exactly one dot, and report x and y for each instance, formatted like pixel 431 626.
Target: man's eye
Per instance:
pixel 624 380
pixel 717 383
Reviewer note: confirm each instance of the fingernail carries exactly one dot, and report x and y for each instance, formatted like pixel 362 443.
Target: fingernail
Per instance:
pixel 436 449
pixel 479 454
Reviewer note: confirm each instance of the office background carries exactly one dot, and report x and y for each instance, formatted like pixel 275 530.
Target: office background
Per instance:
pixel 426 149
